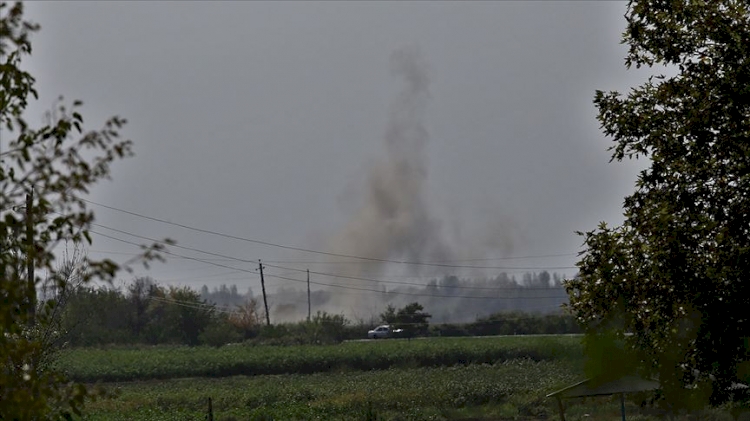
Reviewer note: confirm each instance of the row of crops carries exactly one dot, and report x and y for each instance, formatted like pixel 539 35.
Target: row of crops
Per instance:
pixel 119 364
pixel 509 389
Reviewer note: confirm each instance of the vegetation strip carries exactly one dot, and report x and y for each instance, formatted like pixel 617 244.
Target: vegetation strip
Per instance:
pixel 514 387
pixel 119 364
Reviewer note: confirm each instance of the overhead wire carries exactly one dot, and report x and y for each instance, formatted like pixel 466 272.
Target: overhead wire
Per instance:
pixel 203 306
pixel 222 276
pixel 193 305
pixel 316 272
pixel 359 278
pixel 322 283
pixel 307 250
pixel 540 256
pixel 483 297
pixel 138 254
pixel 224 309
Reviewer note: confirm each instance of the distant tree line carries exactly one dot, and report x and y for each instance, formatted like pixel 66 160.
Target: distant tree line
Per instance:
pixel 225 296
pixel 450 299
pixel 145 312
pixel 455 300
pixel 509 323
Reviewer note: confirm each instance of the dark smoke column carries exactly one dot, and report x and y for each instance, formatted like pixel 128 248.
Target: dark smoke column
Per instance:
pixel 394 222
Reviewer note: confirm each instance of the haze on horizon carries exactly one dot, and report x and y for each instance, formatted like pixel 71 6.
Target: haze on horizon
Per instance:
pixel 461 134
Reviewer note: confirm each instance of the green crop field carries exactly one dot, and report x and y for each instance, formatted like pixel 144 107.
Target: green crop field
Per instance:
pixel 121 364
pixel 506 389
pixel 427 379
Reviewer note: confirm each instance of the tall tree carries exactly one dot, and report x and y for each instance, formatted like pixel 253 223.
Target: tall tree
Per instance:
pixel 675 273
pixel 138 294
pixel 43 174
pixel 412 318
pixel 188 313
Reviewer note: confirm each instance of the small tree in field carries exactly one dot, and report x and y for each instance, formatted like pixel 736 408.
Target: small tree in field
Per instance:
pixel 247 317
pixel 43 174
pixel 412 318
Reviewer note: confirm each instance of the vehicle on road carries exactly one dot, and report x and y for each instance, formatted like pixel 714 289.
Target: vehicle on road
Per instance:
pixel 382 332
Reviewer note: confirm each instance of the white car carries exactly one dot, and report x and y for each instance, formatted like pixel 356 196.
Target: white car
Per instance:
pixel 382 331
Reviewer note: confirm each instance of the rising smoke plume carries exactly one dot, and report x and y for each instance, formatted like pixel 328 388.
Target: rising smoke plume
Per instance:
pixel 394 221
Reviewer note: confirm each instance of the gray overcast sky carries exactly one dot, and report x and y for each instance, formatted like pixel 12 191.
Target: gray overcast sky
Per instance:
pixel 265 120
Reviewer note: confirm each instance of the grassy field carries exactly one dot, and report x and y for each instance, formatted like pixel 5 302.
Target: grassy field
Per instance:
pixel 508 390
pixel 118 364
pixel 502 378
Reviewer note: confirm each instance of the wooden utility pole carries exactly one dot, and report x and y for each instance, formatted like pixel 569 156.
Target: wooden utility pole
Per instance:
pixel 30 251
pixel 263 287
pixel 308 295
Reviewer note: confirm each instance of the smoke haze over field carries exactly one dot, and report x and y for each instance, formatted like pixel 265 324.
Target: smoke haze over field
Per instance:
pixel 306 128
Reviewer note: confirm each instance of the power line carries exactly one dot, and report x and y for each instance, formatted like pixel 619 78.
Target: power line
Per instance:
pixel 287 261
pixel 306 250
pixel 112 252
pixel 326 284
pixel 328 262
pixel 484 297
pixel 222 275
pixel 193 305
pixel 135 254
pixel 316 272
pixel 224 309
pixel 358 278
pixel 174 245
pixel 173 254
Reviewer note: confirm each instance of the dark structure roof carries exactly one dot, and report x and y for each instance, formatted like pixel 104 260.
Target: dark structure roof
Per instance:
pixel 627 384
pixel 620 386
